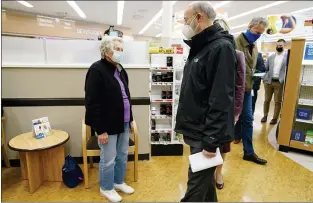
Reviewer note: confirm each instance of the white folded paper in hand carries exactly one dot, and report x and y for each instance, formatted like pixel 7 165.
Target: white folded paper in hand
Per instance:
pixel 200 161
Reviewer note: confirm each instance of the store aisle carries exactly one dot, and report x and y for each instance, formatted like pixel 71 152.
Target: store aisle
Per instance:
pixel 164 178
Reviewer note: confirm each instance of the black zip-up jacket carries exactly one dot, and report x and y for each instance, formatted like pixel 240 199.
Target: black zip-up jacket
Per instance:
pixel 206 105
pixel 103 98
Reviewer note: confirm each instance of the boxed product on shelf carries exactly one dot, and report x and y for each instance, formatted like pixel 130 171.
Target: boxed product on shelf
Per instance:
pixel 298 135
pixel 304 114
pixel 309 137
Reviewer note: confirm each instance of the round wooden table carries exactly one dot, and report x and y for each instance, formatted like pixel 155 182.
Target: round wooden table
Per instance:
pixel 41 159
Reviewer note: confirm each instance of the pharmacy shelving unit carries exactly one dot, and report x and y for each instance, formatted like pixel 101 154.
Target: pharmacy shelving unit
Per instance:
pixel 165 83
pixel 296 117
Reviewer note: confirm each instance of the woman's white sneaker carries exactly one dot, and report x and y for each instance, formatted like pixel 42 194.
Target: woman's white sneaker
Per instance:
pixel 124 188
pixel 111 195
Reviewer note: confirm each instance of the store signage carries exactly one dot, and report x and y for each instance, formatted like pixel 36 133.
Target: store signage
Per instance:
pixel 3 14
pixel 179 50
pixel 287 24
pixel 88 32
pixel 68 25
pixel 308 54
pixel 45 22
pixel 308 23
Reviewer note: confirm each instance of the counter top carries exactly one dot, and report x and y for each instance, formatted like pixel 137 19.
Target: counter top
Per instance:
pixel 16 65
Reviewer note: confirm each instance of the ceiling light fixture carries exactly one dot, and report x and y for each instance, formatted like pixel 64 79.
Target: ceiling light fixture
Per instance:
pixel 239 26
pixel 257 9
pixel 303 10
pixel 158 35
pixel 155 18
pixel 120 11
pixel 223 3
pixel 76 8
pixel 25 3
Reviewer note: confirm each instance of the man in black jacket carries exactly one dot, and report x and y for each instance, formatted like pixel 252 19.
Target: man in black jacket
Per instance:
pixel 205 113
pixel 260 68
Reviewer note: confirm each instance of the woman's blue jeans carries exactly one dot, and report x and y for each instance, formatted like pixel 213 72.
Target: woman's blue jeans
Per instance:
pixel 113 159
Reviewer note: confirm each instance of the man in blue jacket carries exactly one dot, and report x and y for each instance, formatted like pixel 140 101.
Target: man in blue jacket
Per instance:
pixel 260 68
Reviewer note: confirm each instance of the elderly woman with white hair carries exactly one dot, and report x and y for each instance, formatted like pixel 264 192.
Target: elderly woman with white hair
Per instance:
pixel 109 113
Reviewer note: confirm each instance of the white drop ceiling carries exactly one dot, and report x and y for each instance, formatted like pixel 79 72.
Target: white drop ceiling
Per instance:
pixel 138 13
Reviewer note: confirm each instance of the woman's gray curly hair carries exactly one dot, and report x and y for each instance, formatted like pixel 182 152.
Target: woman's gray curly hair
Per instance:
pixel 222 23
pixel 108 44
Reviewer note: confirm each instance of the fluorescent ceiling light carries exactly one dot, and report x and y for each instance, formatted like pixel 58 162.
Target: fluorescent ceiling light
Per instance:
pixel 155 18
pixel 120 10
pixel 239 26
pixel 76 8
pixel 303 10
pixel 25 3
pixel 257 9
pixel 159 35
pixel 221 4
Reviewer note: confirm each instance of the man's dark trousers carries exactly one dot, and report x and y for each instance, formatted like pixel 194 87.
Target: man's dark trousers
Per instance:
pixel 201 185
pixel 244 126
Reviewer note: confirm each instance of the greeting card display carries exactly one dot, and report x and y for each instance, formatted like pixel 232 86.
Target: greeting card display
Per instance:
pixel 41 127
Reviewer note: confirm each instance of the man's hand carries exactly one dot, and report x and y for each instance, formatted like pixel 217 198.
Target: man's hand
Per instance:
pixel 103 138
pixel 209 154
pixel 131 127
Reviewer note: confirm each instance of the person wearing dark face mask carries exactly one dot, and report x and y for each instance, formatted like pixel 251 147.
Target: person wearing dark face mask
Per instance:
pixel 274 79
pixel 206 109
pixel 245 42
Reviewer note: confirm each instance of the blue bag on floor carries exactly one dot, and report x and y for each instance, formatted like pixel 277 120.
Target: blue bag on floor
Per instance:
pixel 72 174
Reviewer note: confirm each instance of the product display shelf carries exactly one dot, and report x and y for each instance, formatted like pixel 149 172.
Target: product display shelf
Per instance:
pixel 165 80
pixel 296 126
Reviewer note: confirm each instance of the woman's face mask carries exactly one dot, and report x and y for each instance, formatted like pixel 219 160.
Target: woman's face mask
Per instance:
pixel 117 56
pixel 187 30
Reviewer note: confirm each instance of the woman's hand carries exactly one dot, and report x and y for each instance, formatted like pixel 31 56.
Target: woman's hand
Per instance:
pixel 131 127
pixel 103 138
pixel 236 118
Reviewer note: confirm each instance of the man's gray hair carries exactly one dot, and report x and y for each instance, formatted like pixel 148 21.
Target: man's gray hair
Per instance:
pixel 257 21
pixel 108 44
pixel 204 7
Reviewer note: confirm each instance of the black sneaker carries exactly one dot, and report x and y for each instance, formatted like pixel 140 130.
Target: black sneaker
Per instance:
pixel 264 119
pixel 254 158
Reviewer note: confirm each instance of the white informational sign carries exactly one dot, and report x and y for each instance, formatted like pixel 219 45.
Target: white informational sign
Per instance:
pixel 45 22
pixel 41 127
pixel 89 32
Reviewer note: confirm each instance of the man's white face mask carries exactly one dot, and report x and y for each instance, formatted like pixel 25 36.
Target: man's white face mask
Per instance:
pixel 187 30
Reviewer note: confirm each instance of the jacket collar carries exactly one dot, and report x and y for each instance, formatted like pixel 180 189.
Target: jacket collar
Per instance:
pixel 111 67
pixel 244 41
pixel 202 39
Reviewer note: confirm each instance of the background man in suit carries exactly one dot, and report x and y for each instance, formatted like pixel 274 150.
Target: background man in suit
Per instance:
pixel 260 68
pixel 274 80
